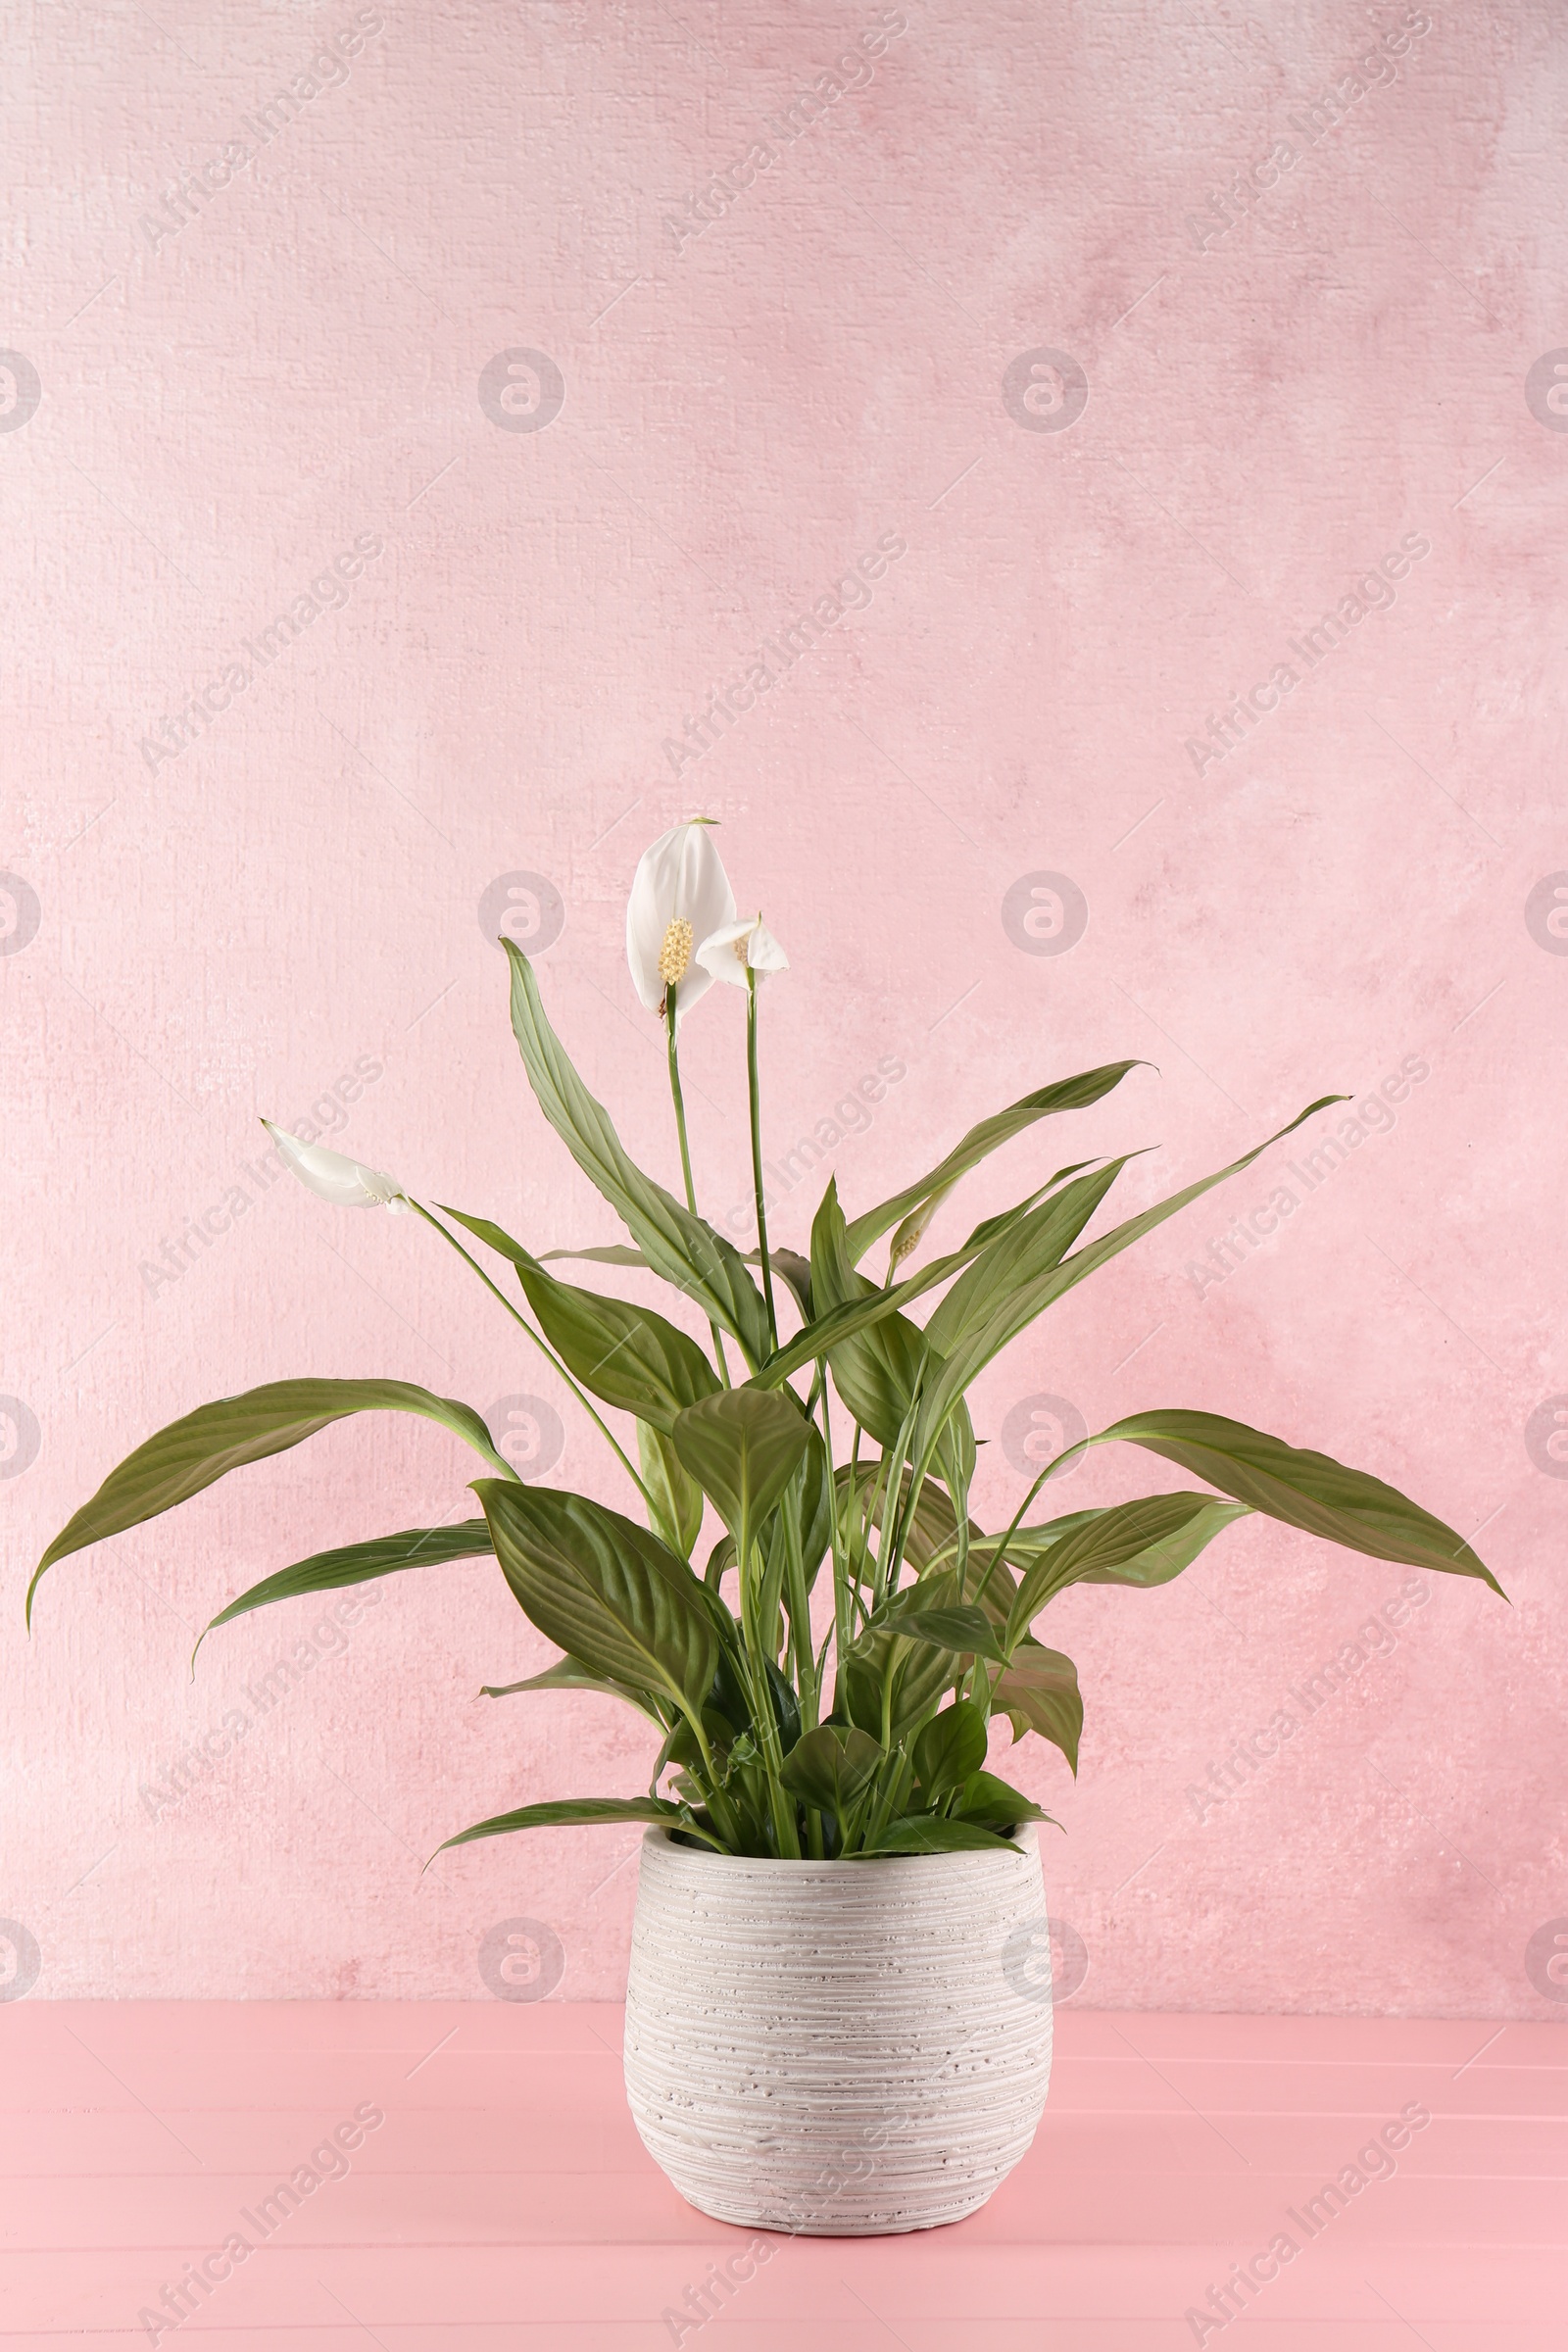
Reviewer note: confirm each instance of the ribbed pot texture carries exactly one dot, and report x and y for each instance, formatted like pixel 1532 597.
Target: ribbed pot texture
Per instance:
pixel 837 2049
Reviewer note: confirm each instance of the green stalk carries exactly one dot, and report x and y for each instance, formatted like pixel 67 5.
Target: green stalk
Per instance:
pixel 841 1574
pixel 894 1786
pixel 800 1606
pixel 679 1101
pixel 718 1805
pixel 1001 1541
pixel 757 1153
pixel 890 1552
pixel 781 1804
pixel 543 1347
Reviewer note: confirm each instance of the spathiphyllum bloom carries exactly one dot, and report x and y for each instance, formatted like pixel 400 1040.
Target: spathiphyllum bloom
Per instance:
pixel 680 894
pixel 332 1177
pixel 737 949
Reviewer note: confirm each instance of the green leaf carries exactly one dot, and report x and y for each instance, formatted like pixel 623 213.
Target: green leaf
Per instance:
pixel 203 1448
pixel 729 1699
pixel 1145 1543
pixel 1304 1490
pixel 1066 1093
pixel 570 1674
pixel 357 1563
pixel 995 1805
pixel 608 1254
pixel 928 1834
pixel 1026 1248
pixel 628 1357
pixel 677 1244
pixel 742 1448
pixel 933 1530
pixel 677 1500
pixel 604 1590
pixel 879 1355
pixel 791 1267
pixel 950 1747
pixel 912 1669
pixel 569 1813
pixel 964 1630
pixel 1038 1691
pixel 830 1767
pixel 974 1350
pixel 847 1303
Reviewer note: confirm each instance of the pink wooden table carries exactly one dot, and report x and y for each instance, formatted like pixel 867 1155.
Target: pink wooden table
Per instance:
pixel 504 2201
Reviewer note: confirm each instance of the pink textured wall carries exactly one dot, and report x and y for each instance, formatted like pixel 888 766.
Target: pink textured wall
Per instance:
pixel 1310 340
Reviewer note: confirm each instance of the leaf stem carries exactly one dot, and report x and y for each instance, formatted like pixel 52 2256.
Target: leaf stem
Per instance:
pixel 679 1101
pixel 754 1092
pixel 542 1345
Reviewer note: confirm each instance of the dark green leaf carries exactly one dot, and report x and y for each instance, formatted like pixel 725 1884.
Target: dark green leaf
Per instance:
pixel 1038 1691
pixel 568 1814
pixel 677 1244
pixel 1066 1093
pixel 194 1453
pixel 948 1748
pixel 730 1698
pixel 786 1706
pixel 742 1446
pixel 995 1805
pixel 625 1355
pixel 604 1590
pixel 357 1563
pixel 830 1767
pixel 1310 1491
pixel 927 1833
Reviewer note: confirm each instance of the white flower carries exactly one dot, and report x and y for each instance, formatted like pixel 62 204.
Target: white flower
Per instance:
pixel 332 1177
pixel 680 894
pixel 739 949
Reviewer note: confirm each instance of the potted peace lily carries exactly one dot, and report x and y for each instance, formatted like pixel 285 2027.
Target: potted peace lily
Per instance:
pixel 827 2027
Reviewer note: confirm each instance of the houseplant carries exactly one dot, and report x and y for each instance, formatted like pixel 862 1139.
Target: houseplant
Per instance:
pixel 831 1870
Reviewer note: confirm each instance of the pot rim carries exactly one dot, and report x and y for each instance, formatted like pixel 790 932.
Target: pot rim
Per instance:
pixel 1024 1839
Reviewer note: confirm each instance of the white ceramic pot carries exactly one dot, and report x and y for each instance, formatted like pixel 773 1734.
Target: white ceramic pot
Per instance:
pixel 837 2049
